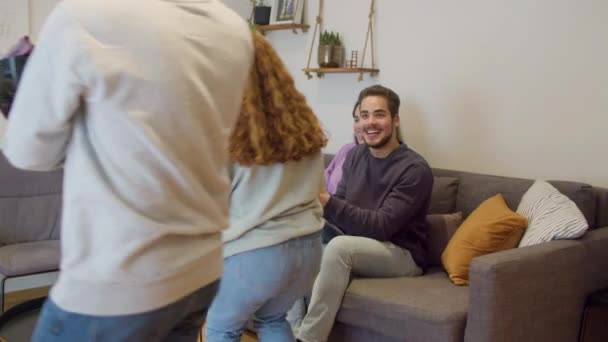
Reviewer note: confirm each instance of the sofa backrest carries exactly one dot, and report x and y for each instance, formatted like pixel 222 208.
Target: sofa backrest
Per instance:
pixel 474 188
pixel 601 207
pixel 459 191
pixel 30 204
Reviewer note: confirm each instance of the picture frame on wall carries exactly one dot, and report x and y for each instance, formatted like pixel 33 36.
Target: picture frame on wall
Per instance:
pixel 287 11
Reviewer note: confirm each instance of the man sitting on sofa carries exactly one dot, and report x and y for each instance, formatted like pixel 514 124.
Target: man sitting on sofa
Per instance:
pixel 380 205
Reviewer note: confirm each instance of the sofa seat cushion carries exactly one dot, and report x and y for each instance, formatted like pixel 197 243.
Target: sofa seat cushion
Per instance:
pixel 29 258
pixel 425 308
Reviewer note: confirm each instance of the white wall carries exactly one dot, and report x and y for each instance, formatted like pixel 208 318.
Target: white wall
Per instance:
pixel 516 88
pixel 38 10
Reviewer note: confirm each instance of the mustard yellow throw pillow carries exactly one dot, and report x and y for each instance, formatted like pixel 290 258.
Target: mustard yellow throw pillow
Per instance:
pixel 492 227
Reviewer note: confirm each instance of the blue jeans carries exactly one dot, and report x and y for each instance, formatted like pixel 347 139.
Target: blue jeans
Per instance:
pixel 180 321
pixel 329 232
pixel 263 284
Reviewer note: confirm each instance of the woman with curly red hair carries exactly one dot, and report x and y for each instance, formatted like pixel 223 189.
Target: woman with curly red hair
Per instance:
pixel 273 245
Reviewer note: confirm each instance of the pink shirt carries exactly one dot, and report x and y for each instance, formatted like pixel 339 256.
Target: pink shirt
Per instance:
pixel 333 172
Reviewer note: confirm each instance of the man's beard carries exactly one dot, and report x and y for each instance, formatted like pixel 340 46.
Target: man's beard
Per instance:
pixel 381 143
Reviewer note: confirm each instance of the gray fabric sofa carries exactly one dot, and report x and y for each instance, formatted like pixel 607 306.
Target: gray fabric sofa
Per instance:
pixel 534 293
pixel 30 206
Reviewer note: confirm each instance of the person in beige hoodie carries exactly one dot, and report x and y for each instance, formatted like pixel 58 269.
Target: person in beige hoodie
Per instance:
pixel 136 101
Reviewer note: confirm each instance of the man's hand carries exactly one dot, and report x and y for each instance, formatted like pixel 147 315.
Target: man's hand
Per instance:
pixel 324 197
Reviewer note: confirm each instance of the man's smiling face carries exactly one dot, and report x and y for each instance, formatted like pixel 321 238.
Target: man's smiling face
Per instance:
pixel 376 121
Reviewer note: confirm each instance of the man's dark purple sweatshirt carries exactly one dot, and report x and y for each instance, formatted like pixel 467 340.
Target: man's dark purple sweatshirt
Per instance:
pixel 384 199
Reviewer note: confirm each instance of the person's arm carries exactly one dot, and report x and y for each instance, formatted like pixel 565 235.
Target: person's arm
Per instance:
pixel 346 167
pixel 336 166
pixel 404 200
pixel 330 168
pixel 40 123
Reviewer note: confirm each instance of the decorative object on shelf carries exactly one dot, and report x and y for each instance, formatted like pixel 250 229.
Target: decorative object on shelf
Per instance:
pixel 351 67
pixel 287 12
pixel 260 12
pixel 354 57
pixel 330 53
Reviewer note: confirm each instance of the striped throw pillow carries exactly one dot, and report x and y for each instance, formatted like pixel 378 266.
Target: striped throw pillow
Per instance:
pixel 551 215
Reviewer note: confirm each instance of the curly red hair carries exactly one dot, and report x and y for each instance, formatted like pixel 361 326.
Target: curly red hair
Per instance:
pixel 275 125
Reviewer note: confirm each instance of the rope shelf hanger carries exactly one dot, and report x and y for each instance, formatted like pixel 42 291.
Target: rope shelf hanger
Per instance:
pixel 369 38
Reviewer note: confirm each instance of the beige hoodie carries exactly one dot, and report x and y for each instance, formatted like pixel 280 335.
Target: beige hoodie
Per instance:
pixel 136 100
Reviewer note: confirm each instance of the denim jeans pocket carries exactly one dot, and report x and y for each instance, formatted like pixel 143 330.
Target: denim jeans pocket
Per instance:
pixel 261 269
pixel 52 321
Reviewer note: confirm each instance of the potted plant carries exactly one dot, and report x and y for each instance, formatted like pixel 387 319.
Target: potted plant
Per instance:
pixel 260 13
pixel 331 50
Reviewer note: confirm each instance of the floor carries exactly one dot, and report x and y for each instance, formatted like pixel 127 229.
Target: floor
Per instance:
pixel 14 298
pixel 17 297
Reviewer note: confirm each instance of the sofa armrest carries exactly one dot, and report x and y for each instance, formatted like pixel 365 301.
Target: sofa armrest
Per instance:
pixel 595 243
pixel 534 293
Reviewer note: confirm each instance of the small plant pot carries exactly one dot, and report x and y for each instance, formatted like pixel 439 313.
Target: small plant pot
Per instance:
pixel 261 15
pixel 325 57
pixel 337 56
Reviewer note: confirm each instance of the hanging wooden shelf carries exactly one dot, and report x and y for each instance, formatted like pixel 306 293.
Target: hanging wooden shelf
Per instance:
pixel 321 71
pixel 369 37
pixel 276 27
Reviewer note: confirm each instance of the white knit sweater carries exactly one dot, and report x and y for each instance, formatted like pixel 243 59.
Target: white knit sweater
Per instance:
pixel 272 204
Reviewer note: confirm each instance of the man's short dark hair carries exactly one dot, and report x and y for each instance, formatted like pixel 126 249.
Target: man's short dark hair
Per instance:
pixel 392 99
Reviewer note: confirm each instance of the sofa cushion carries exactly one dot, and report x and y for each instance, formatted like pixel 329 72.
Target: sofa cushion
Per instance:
pixel 492 227
pixel 427 308
pixel 551 215
pixel 31 218
pixel 582 195
pixel 21 183
pixel 441 227
pixel 443 195
pixel 29 258
pixel 30 204
pixel 474 189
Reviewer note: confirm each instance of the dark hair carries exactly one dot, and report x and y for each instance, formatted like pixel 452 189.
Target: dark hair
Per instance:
pixel 392 99
pixel 11 69
pixel 357 104
pixel 7 93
